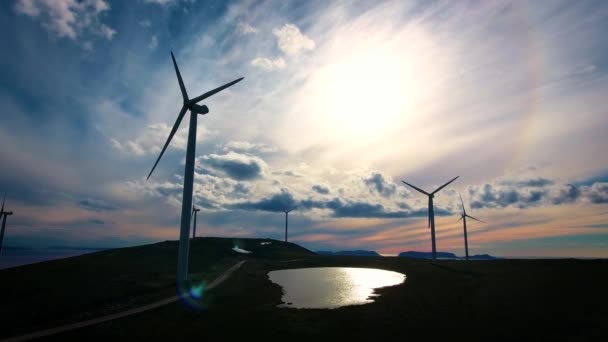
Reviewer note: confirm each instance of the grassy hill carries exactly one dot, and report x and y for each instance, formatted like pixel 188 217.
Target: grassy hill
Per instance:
pixel 497 300
pixel 67 290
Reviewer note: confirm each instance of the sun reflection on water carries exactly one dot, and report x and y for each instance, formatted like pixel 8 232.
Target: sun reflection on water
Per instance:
pixel 332 287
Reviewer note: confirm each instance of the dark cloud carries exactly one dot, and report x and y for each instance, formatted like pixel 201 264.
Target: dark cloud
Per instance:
pixel 278 202
pixel 96 205
pixel 568 195
pixel 360 209
pixel 499 197
pixel 321 189
pixel 598 193
pixel 236 166
pixel 377 182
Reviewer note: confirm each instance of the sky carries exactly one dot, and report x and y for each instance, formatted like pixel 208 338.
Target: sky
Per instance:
pixel 341 101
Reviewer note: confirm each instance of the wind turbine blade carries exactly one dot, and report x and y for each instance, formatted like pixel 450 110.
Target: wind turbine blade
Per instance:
pixel 215 91
pixel 444 185
pixel 460 218
pixel 180 116
pixel 179 79
pixel 3 199
pixel 292 209
pixel 471 217
pixel 424 192
pixel 463 210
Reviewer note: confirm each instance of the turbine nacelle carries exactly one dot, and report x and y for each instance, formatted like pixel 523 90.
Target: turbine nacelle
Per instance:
pixel 199 109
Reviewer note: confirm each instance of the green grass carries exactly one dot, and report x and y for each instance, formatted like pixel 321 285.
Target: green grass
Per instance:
pixel 564 300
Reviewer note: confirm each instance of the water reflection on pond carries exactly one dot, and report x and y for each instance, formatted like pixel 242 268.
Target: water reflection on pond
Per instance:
pixel 331 287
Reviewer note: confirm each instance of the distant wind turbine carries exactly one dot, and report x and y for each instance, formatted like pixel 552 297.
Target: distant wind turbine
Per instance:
pixel 3 215
pixel 194 211
pixel 431 211
pixel 286 214
pixel 195 109
pixel 463 217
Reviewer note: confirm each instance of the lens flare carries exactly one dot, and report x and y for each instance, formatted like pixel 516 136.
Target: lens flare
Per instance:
pixel 192 295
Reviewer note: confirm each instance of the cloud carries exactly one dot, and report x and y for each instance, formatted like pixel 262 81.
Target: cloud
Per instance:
pixel 96 205
pixel 153 43
pixel 268 64
pixel 598 193
pixel 107 32
pixel 291 41
pixel 235 165
pixel 568 195
pixel 248 147
pixel 321 189
pixel 152 139
pixel 377 182
pixel 68 18
pixel 275 203
pixel 535 192
pixel 244 28
pixel 532 182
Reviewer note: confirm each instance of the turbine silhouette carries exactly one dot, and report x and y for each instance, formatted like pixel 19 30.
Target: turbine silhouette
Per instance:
pixel 195 210
pixel 463 217
pixel 286 214
pixel 3 215
pixel 195 109
pixel 431 211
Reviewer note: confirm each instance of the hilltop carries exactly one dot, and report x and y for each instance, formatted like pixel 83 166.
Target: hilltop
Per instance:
pixel 521 299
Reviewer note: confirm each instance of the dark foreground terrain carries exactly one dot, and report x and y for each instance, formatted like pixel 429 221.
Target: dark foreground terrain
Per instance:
pixel 554 300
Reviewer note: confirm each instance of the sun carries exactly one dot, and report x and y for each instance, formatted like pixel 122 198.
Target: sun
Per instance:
pixel 364 94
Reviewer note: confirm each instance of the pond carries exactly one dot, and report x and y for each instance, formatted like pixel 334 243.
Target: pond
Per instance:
pixel 331 287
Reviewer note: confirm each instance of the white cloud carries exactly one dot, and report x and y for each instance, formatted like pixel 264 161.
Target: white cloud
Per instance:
pixel 153 43
pixel 245 28
pixel 245 146
pixel 68 18
pixel 153 138
pixel 268 64
pixel 107 32
pixel 291 40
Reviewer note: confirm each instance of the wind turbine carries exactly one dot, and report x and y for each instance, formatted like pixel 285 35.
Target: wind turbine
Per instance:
pixel 194 211
pixel 463 217
pixel 286 214
pixel 3 215
pixel 195 109
pixel 431 211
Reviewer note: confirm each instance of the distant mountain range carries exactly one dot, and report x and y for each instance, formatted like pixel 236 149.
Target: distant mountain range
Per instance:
pixel 443 255
pixel 350 253
pixel 409 254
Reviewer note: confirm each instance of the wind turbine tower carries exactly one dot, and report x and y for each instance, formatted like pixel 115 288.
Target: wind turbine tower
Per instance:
pixel 195 110
pixel 432 212
pixel 3 215
pixel 463 217
pixel 195 210
pixel 287 214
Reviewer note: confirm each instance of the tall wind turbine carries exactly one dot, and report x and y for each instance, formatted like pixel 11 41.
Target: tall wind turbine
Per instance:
pixel 3 215
pixel 463 217
pixel 286 214
pixel 432 211
pixel 195 109
pixel 194 211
